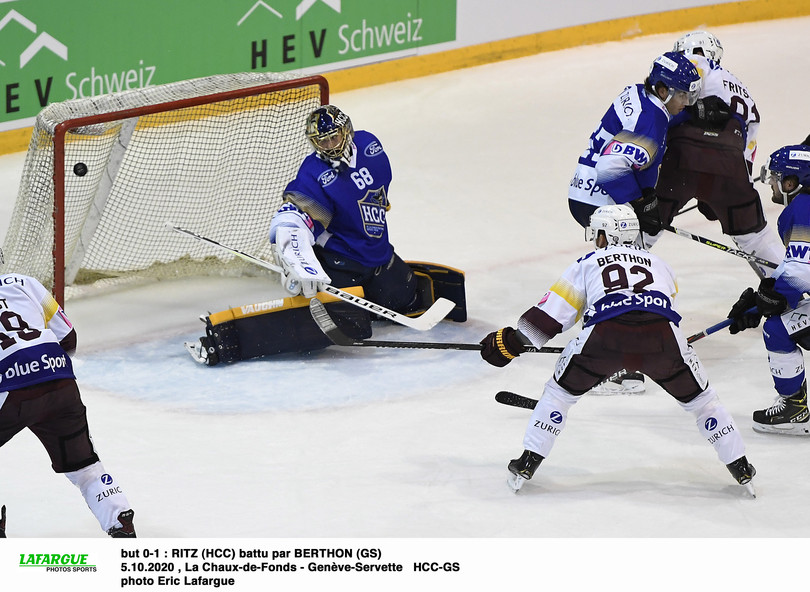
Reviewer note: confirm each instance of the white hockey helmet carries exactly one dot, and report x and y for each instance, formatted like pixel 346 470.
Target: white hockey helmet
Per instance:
pixel 703 40
pixel 618 222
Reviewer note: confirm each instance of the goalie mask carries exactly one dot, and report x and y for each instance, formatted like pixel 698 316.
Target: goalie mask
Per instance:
pixel 330 132
pixel 619 224
pixel 788 172
pixel 707 43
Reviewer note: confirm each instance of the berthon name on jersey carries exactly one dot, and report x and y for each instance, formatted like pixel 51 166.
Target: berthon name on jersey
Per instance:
pixel 623 258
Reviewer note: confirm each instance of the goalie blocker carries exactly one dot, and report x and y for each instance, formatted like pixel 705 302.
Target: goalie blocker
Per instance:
pixel 285 325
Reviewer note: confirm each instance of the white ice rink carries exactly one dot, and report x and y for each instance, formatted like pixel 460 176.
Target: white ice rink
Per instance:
pixel 380 443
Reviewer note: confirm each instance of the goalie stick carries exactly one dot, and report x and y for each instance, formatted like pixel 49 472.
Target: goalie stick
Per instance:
pixel 338 337
pixel 721 247
pixel 424 322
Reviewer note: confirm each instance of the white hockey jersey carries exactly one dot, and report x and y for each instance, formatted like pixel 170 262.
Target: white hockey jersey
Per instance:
pixel 31 326
pixel 721 83
pixel 602 285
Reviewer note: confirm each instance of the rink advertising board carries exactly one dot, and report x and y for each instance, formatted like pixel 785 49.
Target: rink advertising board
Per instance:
pixel 54 51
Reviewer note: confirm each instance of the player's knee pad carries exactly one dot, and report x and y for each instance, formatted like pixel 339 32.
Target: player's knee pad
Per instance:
pixel 438 281
pixel 279 326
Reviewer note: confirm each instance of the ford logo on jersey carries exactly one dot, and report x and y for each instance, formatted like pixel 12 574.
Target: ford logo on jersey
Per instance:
pixel 373 149
pixel 327 177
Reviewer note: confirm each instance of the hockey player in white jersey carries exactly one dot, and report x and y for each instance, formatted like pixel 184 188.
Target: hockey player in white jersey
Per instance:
pixel 710 155
pixel 624 295
pixel 39 392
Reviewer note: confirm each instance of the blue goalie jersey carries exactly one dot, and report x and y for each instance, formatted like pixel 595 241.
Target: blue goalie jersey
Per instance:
pixel 348 206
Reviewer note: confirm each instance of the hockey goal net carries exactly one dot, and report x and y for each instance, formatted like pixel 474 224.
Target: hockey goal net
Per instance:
pixel 103 175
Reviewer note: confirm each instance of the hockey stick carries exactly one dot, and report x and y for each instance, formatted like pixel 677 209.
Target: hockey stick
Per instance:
pixel 711 243
pixel 338 337
pixel 515 400
pixel 426 321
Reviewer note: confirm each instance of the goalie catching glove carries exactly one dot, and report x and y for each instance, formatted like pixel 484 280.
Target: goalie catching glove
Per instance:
pixel 502 346
pixel 302 272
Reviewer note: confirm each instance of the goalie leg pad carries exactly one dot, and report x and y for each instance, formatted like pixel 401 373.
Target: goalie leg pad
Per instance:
pixel 284 330
pixel 446 282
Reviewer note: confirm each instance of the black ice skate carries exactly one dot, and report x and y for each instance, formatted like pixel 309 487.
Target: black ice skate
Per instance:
pixel 523 469
pixel 743 472
pixel 126 530
pixel 788 415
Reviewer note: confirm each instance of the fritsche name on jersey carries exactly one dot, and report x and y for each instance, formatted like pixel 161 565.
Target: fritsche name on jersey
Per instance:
pixel 613 305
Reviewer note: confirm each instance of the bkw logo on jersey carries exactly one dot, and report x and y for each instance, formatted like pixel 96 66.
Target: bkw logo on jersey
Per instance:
pixel 637 154
pixel 799 252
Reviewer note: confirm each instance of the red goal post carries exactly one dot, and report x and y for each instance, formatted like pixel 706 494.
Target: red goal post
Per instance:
pixel 103 175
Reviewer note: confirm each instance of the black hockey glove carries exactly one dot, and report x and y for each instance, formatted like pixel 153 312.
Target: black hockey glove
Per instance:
pixel 741 319
pixel 770 302
pixel 646 208
pixel 501 347
pixel 710 112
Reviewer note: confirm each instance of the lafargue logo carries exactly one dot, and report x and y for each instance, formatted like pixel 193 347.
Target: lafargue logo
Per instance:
pixel 373 149
pixel 58 562
pixel 327 177
pixel 556 417
pixel 711 424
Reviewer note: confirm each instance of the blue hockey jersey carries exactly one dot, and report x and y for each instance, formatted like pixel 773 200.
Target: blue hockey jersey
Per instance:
pixel 793 274
pixel 348 206
pixel 624 152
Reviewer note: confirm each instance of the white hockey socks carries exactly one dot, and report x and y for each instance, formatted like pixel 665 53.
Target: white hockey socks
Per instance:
pixel 102 494
pixel 548 418
pixel 716 425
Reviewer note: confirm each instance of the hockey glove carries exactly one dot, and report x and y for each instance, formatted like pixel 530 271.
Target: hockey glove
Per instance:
pixel 741 319
pixel 770 302
pixel 646 208
pixel 501 347
pixel 710 112
pixel 302 272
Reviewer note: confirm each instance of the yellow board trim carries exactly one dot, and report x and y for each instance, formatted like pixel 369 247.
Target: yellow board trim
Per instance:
pixel 684 19
pixel 276 305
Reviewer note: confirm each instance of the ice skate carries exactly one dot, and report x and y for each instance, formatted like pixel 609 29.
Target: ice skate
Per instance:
pixel 126 530
pixel 625 384
pixel 522 469
pixel 788 415
pixel 202 352
pixel 743 472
